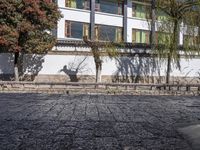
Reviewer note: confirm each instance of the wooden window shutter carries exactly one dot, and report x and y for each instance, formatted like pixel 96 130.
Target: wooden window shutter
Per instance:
pixel 147 37
pixel 86 4
pixel 67 3
pixel 133 35
pixel 67 29
pixel 96 32
pixel 86 30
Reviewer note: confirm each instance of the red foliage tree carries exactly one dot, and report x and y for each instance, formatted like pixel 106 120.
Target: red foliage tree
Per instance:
pixel 25 27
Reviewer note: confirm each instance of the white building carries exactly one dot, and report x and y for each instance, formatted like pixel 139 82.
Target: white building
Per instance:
pixel 103 20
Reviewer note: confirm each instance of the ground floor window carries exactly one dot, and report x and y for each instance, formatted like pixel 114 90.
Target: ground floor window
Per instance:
pixel 163 38
pixel 76 29
pixel 108 33
pixel 189 40
pixel 140 36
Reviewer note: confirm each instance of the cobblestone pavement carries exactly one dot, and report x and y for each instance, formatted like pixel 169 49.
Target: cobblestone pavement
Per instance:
pixel 93 122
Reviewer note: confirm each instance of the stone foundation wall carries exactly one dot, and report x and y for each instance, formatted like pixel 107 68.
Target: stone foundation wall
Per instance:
pixel 114 79
pixel 64 78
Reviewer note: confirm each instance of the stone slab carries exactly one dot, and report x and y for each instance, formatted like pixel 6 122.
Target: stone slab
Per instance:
pixel 192 133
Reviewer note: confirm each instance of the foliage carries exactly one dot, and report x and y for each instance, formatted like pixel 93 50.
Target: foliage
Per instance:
pixel 25 25
pixel 180 16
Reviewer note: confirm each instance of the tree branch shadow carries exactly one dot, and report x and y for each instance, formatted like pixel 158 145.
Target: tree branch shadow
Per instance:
pixel 137 68
pixel 32 64
pixel 6 66
pixel 29 66
pixel 73 68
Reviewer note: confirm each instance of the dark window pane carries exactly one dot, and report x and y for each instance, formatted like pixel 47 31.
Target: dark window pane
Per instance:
pixel 109 33
pixel 80 4
pixel 77 30
pixel 109 6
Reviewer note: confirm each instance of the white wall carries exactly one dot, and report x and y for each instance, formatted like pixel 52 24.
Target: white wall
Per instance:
pixel 55 65
pixel 108 19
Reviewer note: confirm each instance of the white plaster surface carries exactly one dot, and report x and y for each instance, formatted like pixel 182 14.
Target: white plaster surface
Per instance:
pixel 54 64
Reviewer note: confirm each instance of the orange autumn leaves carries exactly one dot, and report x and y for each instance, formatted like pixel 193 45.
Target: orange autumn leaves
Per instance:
pixel 24 25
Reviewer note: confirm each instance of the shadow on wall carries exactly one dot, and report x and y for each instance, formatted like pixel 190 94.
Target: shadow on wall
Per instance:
pixel 32 64
pixel 29 66
pixel 135 69
pixel 6 66
pixel 73 68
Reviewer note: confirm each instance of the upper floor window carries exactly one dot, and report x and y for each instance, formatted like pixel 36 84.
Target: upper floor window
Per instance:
pixel 161 15
pixel 141 10
pixel 140 36
pixel 76 29
pixel 80 4
pixel 110 6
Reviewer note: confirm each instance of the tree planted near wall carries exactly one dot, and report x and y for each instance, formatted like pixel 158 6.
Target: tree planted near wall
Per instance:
pixel 100 49
pixel 178 16
pixel 25 27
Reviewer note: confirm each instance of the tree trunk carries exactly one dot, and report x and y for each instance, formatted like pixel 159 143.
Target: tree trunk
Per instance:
pixel 16 69
pixel 153 17
pixel 168 69
pixel 173 48
pixel 20 65
pixel 98 71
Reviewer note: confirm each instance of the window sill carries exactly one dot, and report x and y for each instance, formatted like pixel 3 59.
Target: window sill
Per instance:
pixel 137 18
pixel 72 39
pixel 108 14
pixel 75 9
pixel 88 11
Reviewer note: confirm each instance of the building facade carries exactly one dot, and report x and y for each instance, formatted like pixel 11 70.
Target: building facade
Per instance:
pixel 107 20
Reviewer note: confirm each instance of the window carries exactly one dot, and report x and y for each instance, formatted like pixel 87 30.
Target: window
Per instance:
pixel 140 36
pixel 163 38
pixel 110 6
pixel 80 4
pixel 141 10
pixel 108 33
pixel 102 32
pixel 189 40
pixel 76 29
pixel 161 16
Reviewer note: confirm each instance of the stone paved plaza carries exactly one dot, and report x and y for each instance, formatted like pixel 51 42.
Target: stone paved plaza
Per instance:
pixel 94 122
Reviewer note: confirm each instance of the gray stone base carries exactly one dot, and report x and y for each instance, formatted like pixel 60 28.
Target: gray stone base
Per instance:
pixel 64 78
pixel 113 79
pixel 105 79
